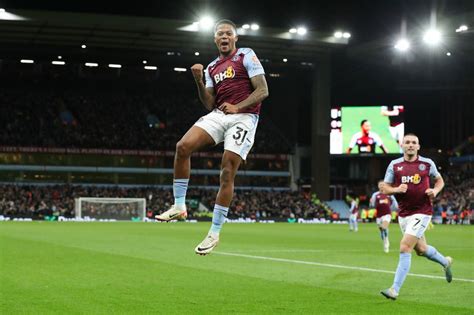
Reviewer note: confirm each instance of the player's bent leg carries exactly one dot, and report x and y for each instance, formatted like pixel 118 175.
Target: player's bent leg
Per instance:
pixel 230 164
pixel 423 249
pixel 195 139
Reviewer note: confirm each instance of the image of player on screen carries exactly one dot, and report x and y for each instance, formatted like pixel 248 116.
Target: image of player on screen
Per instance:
pixel 366 140
pixel 397 122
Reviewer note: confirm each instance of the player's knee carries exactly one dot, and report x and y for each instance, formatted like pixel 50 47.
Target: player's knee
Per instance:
pixel 183 150
pixel 405 248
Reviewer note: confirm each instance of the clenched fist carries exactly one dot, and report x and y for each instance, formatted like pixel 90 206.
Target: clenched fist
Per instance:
pixel 196 69
pixel 431 193
pixel 402 188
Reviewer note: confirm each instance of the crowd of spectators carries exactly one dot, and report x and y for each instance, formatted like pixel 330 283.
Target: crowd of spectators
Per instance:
pixel 38 201
pixel 112 114
pixel 456 202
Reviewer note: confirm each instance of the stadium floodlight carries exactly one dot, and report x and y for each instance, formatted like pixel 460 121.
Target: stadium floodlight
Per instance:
pixel 285 60
pixel 27 61
pixel 58 63
pixel 206 23
pixel 301 30
pixel 91 64
pixel 293 30
pixel 196 53
pixel 254 27
pixel 462 28
pixel 144 62
pixel 114 65
pixel 338 34
pixel 83 46
pixel 2 10
pixel 346 35
pixel 432 37
pixel 177 69
pixel 402 45
pixel 60 57
pixel 246 26
pixel 448 54
pixel 151 67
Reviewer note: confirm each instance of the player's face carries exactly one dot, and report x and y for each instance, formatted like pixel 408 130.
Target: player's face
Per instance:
pixel 410 145
pixel 225 39
pixel 366 126
pixel 380 185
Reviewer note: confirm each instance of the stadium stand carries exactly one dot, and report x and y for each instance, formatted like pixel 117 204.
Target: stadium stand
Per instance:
pixel 112 114
pixel 37 201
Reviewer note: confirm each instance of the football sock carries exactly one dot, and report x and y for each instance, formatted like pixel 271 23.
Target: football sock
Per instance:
pixel 434 255
pixel 402 271
pixel 218 218
pixel 179 191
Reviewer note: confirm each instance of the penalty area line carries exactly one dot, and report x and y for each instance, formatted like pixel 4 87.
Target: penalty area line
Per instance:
pixel 312 263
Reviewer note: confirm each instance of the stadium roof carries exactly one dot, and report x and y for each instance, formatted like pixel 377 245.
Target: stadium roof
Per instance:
pixel 65 32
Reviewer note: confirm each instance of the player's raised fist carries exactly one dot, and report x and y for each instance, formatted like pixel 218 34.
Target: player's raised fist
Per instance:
pixel 196 69
pixel 431 193
pixel 402 188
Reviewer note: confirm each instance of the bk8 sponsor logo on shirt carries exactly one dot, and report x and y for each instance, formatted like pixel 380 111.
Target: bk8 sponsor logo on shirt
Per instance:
pixel 229 73
pixel 415 179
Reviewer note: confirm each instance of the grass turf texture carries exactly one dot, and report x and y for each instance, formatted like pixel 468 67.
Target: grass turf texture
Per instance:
pixel 104 268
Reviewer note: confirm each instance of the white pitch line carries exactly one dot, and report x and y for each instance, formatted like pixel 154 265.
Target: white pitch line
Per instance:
pixel 312 263
pixel 299 250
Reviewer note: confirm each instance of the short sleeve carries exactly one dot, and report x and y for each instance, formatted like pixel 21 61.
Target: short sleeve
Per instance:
pixel 394 202
pixel 433 169
pixel 353 140
pixel 372 199
pixel 209 82
pixel 252 64
pixel 389 174
pixel 378 140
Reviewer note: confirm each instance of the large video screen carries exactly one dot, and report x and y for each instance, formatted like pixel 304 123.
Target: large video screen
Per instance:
pixel 367 130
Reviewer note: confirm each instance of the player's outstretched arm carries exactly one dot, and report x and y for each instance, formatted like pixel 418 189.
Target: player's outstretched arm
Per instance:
pixel 206 95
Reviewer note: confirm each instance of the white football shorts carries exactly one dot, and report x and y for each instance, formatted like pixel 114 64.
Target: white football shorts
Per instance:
pixel 384 218
pixel 415 224
pixel 236 130
pixel 397 132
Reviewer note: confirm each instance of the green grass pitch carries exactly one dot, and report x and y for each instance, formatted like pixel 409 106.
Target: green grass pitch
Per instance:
pixel 146 268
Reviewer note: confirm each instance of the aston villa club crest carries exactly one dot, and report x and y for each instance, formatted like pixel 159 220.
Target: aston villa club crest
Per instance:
pixel 422 167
